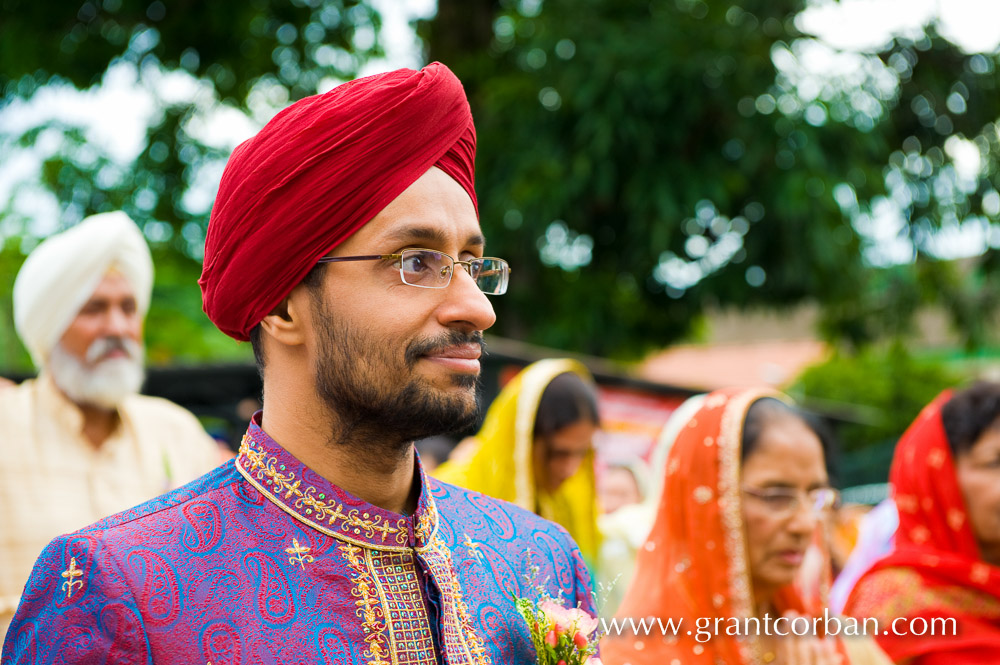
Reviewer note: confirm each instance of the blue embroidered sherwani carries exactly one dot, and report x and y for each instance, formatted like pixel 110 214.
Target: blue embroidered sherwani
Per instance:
pixel 263 561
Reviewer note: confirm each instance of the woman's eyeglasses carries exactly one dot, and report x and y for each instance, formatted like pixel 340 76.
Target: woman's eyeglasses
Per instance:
pixel 786 501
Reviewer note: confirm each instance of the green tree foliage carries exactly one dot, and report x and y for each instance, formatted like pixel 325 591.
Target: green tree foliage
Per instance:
pixel 873 395
pixel 295 42
pixel 12 353
pixel 877 392
pixel 250 56
pixel 639 160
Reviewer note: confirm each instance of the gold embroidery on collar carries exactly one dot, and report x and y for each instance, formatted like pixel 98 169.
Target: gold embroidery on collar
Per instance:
pixel 71 574
pixel 407 621
pixel 299 554
pixel 459 630
pixel 459 634
pixel 286 486
pixel 427 523
pixel 390 598
pixel 369 608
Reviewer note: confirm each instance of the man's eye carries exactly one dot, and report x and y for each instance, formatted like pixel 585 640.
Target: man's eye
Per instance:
pixel 414 264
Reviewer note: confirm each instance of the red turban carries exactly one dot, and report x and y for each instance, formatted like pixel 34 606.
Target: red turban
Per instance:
pixel 319 171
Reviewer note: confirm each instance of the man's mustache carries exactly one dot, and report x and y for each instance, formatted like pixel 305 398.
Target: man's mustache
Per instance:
pixel 449 339
pixel 103 346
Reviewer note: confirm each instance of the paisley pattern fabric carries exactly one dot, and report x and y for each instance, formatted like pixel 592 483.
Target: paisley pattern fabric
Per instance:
pixel 263 561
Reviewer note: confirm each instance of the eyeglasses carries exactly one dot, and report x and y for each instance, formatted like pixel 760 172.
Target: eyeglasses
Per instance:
pixel 430 269
pixel 784 501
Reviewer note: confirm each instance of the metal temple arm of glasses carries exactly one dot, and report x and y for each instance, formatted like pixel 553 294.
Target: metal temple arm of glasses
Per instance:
pixel 367 257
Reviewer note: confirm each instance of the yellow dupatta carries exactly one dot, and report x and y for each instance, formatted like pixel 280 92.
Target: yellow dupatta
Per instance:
pixel 500 464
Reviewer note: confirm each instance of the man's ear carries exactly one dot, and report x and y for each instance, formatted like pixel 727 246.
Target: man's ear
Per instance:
pixel 288 322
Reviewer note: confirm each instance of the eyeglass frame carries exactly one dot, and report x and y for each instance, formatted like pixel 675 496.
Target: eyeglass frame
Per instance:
pixel 814 508
pixel 398 256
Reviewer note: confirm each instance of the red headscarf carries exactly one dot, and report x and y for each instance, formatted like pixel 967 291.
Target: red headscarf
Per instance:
pixel 319 171
pixel 936 569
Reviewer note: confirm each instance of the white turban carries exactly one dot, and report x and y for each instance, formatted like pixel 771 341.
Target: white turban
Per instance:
pixel 62 273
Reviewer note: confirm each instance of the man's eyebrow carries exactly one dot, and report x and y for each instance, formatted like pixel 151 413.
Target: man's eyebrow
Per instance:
pixel 431 235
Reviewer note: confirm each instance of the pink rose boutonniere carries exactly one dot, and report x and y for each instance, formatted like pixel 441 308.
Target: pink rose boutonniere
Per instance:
pixel 561 635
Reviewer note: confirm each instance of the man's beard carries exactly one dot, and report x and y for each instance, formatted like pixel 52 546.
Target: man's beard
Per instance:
pixel 95 382
pixel 379 405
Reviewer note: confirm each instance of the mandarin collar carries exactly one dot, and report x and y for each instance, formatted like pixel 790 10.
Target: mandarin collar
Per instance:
pixel 318 503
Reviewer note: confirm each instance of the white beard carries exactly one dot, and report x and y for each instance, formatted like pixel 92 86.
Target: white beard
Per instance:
pixel 100 383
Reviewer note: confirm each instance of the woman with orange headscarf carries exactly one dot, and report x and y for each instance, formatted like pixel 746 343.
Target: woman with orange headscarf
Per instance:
pixel 946 563
pixel 745 495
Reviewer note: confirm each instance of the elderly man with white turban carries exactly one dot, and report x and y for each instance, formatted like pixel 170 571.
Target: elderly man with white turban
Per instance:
pixel 78 443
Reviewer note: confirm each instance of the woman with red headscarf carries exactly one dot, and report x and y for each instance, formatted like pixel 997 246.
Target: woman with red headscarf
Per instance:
pixel 736 545
pixel 945 570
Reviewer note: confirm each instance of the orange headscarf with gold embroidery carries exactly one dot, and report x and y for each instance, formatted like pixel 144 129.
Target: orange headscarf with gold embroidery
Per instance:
pixel 936 569
pixel 694 563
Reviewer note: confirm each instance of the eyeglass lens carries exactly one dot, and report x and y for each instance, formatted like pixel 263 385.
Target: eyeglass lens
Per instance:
pixel 782 501
pixel 429 269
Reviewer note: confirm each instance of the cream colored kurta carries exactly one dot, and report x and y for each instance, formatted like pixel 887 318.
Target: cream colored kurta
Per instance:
pixel 54 481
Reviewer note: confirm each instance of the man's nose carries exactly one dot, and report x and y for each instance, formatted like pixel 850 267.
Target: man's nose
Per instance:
pixel 466 306
pixel 118 322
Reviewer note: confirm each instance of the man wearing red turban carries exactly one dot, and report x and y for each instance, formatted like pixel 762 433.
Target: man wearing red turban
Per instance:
pixel 345 245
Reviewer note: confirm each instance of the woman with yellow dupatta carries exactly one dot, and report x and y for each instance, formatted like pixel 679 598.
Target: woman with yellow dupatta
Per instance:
pixel 535 449
pixel 745 497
